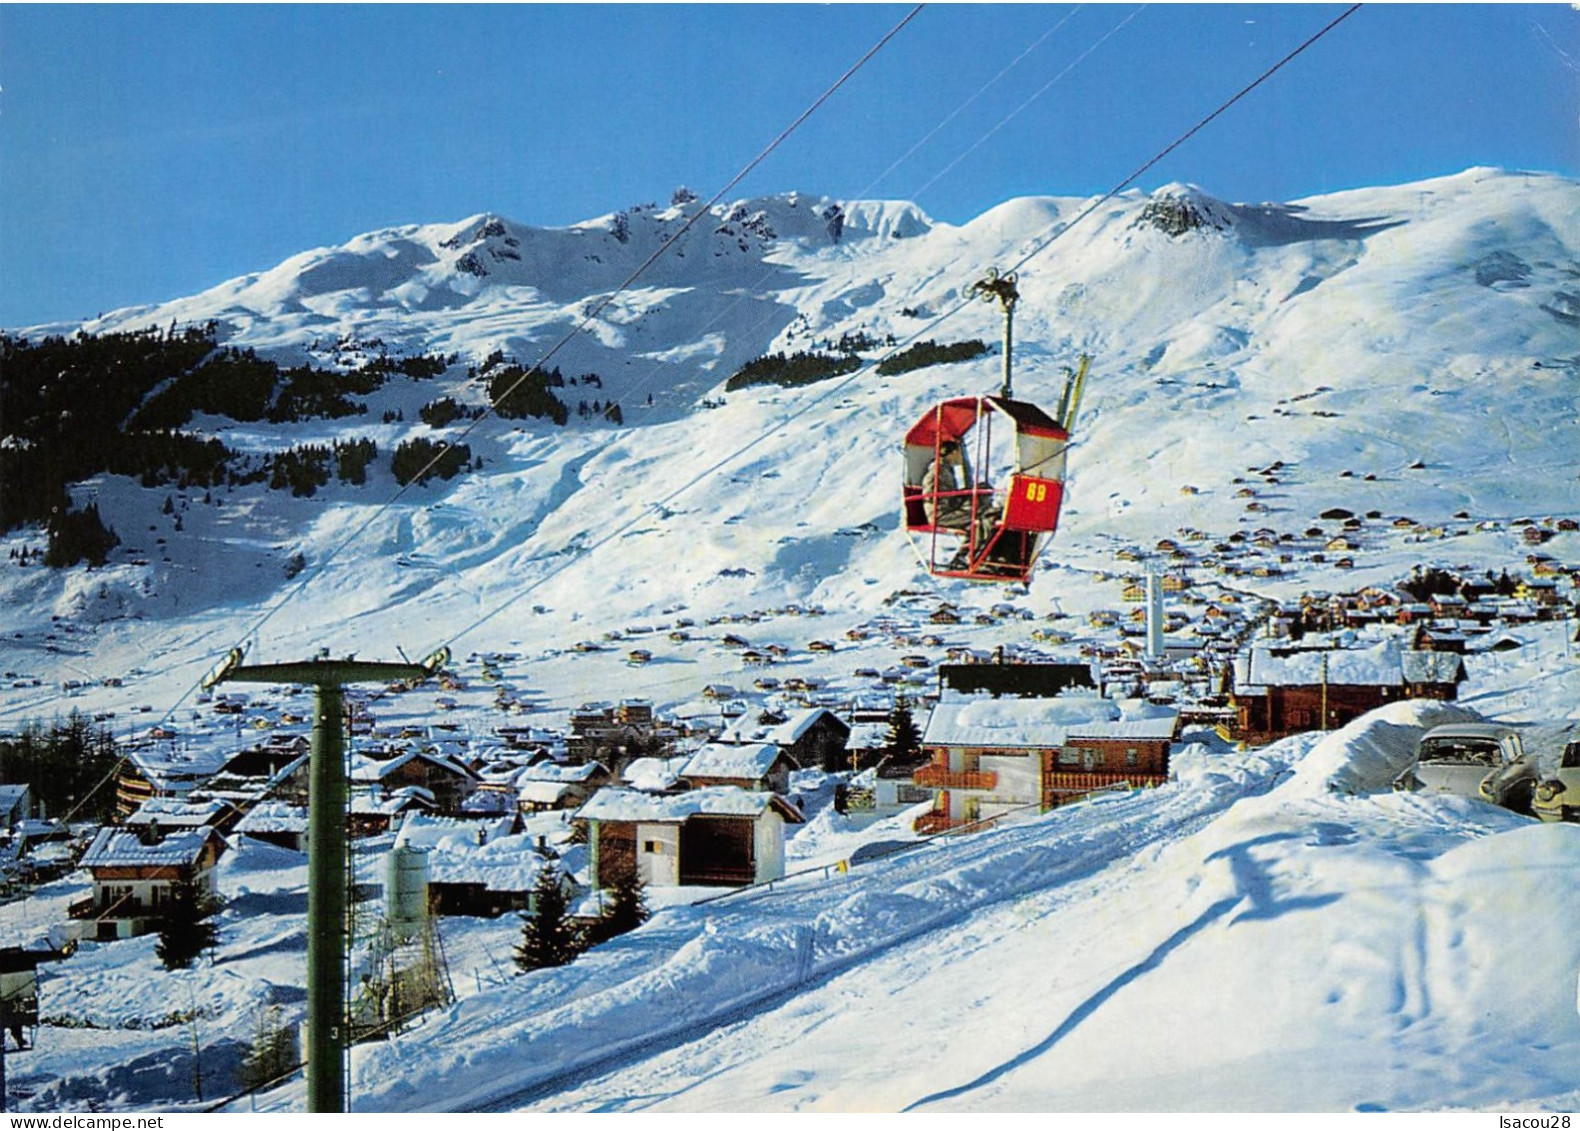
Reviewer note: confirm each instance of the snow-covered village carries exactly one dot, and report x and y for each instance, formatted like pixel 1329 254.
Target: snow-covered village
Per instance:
pixel 1120 652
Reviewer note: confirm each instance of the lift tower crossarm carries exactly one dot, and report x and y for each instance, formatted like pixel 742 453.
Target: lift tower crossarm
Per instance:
pixel 994 287
pixel 318 673
pixel 327 1038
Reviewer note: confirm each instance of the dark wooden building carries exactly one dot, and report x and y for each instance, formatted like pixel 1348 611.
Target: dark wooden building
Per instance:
pixel 721 835
pixel 1278 691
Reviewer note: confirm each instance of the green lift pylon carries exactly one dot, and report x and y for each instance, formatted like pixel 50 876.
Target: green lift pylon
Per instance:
pixel 327 1036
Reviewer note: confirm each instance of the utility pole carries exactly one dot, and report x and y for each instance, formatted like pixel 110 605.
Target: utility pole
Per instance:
pixel 327 1036
pixel 994 287
pixel 1324 691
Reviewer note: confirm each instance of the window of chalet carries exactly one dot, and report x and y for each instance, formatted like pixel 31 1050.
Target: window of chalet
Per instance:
pixel 1069 756
pixel 1132 756
pixel 653 847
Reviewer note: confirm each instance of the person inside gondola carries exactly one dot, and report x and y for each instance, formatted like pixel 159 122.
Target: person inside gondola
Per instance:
pixel 946 492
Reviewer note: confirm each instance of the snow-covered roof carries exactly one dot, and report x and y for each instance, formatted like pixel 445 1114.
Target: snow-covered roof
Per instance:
pixel 1161 726
pixel 543 792
pixel 555 772
pixel 397 802
pixel 787 733
pixel 175 770
pixel 1379 665
pixel 614 803
pixel 114 847
pixel 982 721
pixel 746 763
pixel 365 769
pixel 654 774
pixel 274 817
pixel 474 852
pixel 423 830
pixel 172 812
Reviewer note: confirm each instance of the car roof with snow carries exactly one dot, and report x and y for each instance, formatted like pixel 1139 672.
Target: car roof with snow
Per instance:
pixel 1493 731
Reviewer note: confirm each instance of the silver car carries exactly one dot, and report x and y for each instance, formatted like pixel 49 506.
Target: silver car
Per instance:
pixel 1481 760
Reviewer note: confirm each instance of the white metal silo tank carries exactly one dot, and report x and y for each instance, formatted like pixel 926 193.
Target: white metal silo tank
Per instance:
pixel 406 890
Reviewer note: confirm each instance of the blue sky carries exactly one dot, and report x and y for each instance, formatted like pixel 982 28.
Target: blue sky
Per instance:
pixel 148 152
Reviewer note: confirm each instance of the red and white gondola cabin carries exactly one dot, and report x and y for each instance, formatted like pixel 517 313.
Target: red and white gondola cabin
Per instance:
pixel 984 483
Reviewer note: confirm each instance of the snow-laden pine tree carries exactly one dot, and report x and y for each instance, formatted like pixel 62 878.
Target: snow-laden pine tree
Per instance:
pixel 186 929
pixel 547 937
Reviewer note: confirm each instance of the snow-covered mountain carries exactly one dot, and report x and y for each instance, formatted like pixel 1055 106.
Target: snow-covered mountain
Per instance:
pixel 1410 350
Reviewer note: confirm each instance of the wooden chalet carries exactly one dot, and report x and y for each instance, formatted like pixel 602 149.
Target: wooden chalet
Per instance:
pixel 613 734
pixel 159 769
pixel 812 736
pixel 448 781
pixel 754 766
pixel 1277 690
pixel 479 868
pixel 550 785
pixel 371 814
pixel 134 872
pixel 722 835
pixel 991 757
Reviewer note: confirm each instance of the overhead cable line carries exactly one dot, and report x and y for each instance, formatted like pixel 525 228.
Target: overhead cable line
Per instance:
pixel 958 110
pixel 645 381
pixel 587 318
pixel 603 304
pixel 361 528
pixel 1057 232
pixel 1186 136
pixel 947 169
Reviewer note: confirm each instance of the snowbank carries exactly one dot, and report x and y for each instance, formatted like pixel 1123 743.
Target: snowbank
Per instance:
pixel 1365 755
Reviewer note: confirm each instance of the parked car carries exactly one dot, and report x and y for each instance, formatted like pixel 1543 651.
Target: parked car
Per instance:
pixel 1558 797
pixel 1481 760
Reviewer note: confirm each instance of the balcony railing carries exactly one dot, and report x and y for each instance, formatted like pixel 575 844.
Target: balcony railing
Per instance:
pixel 937 777
pixel 929 823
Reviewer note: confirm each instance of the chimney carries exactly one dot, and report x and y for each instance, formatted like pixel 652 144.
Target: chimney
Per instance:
pixel 150 832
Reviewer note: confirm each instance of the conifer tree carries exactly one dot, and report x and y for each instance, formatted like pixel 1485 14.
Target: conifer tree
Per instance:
pixel 626 911
pixel 547 937
pixel 902 738
pixel 185 930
